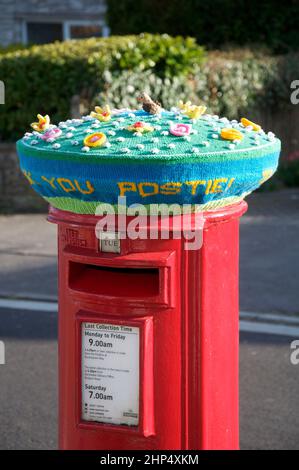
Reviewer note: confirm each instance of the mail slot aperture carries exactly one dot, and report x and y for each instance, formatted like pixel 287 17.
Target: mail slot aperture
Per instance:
pixel 114 281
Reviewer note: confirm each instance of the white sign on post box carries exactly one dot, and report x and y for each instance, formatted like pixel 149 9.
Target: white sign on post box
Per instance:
pixel 109 242
pixel 110 373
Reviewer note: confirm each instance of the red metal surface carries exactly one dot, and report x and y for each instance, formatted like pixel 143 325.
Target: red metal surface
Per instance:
pixel 186 306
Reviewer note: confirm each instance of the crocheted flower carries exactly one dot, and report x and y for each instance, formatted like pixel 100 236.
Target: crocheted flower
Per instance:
pixel 97 139
pixel 180 129
pixel 140 127
pixel 191 110
pixel 52 133
pixel 102 114
pixel 231 134
pixel 246 123
pixel 42 124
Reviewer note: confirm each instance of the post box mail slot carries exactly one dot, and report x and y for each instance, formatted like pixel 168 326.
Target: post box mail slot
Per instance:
pixel 130 285
pixel 114 281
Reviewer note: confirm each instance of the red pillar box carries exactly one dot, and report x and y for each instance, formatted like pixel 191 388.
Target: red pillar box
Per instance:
pixel 148 337
pixel 148 330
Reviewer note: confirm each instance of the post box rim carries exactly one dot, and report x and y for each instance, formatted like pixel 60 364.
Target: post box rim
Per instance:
pixel 59 216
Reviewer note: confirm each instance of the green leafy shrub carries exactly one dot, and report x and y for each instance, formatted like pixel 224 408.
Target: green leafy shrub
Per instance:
pixel 44 78
pixel 12 48
pixel 213 23
pixel 230 84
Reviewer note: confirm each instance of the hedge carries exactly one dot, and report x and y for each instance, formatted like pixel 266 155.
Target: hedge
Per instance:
pixel 213 23
pixel 44 78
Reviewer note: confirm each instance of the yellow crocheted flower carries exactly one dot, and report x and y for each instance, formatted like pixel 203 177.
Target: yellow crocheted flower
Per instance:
pixel 42 124
pixel 97 139
pixel 246 122
pixel 140 127
pixel 191 110
pixel 102 114
pixel 231 134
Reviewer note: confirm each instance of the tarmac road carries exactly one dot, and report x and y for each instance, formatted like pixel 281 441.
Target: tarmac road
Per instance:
pixel 269 386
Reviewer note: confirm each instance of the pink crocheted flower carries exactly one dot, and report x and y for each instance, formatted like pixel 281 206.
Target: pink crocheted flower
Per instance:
pixel 52 133
pixel 180 129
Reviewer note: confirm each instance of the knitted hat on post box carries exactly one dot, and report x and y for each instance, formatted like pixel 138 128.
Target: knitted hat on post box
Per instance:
pixel 150 156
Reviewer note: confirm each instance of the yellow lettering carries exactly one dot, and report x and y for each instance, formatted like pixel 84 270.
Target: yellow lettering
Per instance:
pixel 230 183
pixel 194 185
pixel 170 188
pixel 51 181
pixel 90 188
pixel 63 181
pixel 217 188
pixel 207 191
pixel 125 186
pixel 28 176
pixel 141 187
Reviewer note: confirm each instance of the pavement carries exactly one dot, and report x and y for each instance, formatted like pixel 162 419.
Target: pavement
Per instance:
pixel 269 385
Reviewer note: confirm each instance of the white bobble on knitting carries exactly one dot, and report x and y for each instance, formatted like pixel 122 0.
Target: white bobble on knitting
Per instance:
pixel 120 139
pixel 164 133
pixel 195 150
pixel 34 142
pixel 125 150
pixel 69 135
pixel 111 132
pixel 171 146
pixel 206 143
pixel 85 149
pixel 56 146
pixel 77 122
pixel 215 136
pixel 154 139
pixel 155 150
pixel 75 142
pixel 231 146
pixel 140 146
